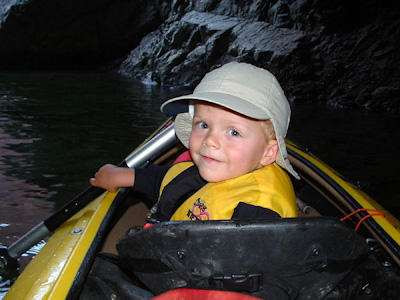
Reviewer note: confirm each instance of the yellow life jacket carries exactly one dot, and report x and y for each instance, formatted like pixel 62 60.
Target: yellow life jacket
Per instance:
pixel 269 187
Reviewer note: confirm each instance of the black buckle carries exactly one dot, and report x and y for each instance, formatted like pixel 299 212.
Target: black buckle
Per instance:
pixel 248 282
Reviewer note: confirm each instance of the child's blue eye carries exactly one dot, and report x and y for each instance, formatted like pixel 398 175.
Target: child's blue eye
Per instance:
pixel 202 125
pixel 233 132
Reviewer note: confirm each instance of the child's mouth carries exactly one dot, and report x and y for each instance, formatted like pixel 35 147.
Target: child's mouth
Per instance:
pixel 209 159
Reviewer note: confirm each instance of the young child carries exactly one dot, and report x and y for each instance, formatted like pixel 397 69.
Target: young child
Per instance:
pixel 234 125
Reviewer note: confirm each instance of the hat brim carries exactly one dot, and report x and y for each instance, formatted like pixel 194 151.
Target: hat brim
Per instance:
pixel 179 104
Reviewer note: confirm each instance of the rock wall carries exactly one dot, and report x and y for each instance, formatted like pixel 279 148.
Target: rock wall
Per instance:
pixel 343 52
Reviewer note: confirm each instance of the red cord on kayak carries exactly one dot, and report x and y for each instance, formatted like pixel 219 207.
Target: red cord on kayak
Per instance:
pixel 377 213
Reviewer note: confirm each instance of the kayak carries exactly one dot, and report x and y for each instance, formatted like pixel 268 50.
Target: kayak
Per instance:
pixel 343 245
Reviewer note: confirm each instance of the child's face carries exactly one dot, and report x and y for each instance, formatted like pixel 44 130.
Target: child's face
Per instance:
pixel 226 145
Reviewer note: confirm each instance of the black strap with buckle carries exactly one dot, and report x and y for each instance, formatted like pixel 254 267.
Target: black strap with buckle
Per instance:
pixel 247 282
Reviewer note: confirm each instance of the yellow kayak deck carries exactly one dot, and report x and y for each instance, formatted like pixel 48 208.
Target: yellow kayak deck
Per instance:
pixel 52 271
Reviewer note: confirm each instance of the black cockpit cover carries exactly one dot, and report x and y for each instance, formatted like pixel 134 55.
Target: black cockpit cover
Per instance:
pixel 300 258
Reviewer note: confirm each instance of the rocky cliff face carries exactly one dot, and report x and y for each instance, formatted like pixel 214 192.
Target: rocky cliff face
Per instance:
pixel 343 52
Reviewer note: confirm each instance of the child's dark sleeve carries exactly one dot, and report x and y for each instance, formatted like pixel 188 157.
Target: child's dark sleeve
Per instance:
pixel 148 181
pixel 248 211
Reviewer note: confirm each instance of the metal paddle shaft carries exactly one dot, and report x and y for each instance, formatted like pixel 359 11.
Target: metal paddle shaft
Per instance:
pixel 153 147
pixel 139 157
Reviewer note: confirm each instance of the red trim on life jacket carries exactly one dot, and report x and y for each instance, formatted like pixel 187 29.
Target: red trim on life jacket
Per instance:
pixel 198 294
pixel 185 156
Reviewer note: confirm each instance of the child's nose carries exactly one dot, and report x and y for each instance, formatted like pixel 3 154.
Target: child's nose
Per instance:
pixel 211 140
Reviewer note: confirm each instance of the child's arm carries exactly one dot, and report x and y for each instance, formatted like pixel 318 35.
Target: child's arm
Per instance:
pixel 112 178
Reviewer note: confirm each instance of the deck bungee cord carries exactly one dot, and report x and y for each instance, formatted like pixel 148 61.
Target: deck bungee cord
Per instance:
pixel 376 213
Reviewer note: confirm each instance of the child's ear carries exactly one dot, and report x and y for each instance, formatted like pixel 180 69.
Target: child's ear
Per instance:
pixel 270 153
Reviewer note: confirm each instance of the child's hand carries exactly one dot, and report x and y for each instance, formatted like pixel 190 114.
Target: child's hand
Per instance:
pixel 112 178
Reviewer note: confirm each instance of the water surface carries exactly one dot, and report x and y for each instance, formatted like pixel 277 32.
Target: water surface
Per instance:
pixel 56 129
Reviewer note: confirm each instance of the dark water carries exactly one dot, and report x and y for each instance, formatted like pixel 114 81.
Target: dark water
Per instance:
pixel 363 146
pixel 56 129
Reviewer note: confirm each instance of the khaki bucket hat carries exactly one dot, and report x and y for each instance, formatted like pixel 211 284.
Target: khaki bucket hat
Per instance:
pixel 245 89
